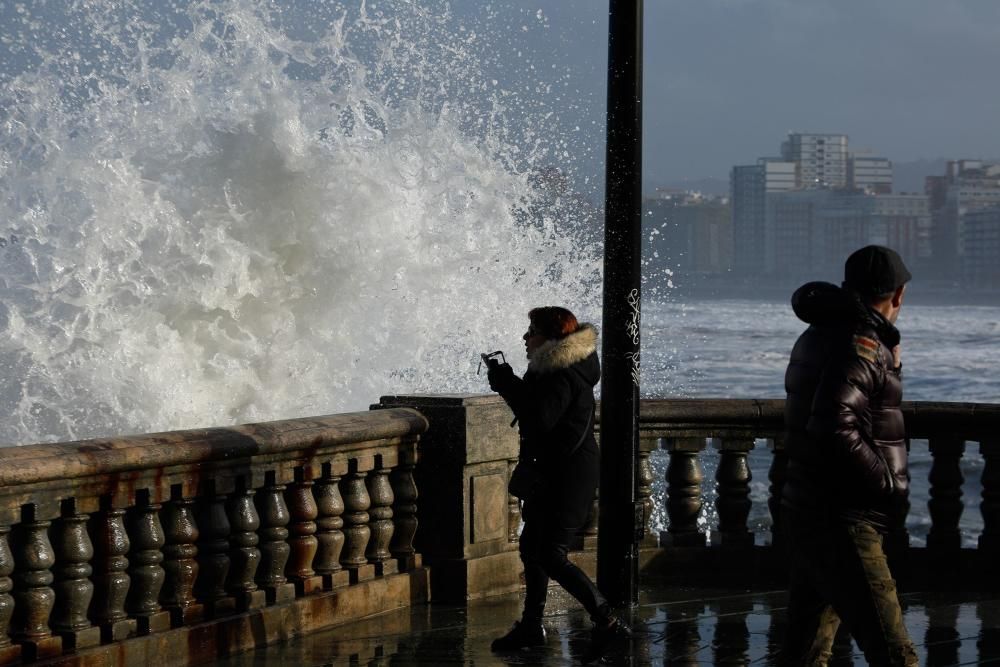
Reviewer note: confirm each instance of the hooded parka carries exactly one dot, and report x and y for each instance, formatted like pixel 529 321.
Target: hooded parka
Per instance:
pixel 845 436
pixel 554 407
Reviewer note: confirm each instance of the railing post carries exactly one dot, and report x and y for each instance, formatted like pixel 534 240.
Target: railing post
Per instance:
pixel 111 580
pixel 989 539
pixel 9 651
pixel 33 595
pixel 213 547
pixel 945 504
pixel 380 517
pixel 684 501
pixel 733 500
pixel 330 527
pixel 73 588
pixel 142 523
pixel 302 528
pixel 645 489
pixel 179 563
pixel 274 549
pixel 404 511
pixel 244 556
pixel 356 529
pixel 777 474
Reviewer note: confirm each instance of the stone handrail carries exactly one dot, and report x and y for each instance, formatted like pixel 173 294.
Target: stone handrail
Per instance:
pixel 144 537
pixel 684 426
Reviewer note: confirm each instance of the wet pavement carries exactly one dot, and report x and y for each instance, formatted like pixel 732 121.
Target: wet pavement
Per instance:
pixel 673 626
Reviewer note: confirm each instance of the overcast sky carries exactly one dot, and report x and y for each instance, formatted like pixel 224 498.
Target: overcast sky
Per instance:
pixel 726 80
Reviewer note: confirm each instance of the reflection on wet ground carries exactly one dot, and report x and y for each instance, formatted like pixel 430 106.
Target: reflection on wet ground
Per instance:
pixel 672 627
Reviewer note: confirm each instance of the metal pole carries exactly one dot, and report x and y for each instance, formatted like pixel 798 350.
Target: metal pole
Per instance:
pixel 620 520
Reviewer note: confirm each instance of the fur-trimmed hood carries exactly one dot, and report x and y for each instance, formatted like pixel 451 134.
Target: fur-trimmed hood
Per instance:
pixel 555 355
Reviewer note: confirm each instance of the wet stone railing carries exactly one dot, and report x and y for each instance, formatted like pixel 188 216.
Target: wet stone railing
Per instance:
pixel 685 428
pixel 106 542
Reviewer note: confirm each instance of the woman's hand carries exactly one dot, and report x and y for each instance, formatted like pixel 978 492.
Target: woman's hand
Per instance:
pixel 501 377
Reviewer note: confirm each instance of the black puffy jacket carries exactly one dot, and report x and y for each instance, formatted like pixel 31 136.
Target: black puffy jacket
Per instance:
pixel 845 436
pixel 554 405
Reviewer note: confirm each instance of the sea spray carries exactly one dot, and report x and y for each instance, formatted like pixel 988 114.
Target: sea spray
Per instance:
pixel 224 220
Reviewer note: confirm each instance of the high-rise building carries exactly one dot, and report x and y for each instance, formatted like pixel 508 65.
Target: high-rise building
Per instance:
pixel 980 248
pixel 870 174
pixel 820 159
pixel 750 187
pixel 966 187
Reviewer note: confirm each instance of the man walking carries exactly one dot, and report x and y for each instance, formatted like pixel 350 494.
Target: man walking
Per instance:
pixel 847 478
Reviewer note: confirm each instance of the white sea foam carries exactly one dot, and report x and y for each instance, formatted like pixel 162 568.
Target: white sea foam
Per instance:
pixel 227 223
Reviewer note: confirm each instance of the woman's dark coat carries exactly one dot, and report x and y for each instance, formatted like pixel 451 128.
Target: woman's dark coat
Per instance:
pixel 554 405
pixel 845 436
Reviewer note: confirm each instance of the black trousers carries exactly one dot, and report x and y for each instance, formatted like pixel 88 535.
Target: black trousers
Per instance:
pixel 544 544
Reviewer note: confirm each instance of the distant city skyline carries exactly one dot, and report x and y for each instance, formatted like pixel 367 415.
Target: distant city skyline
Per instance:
pixel 909 80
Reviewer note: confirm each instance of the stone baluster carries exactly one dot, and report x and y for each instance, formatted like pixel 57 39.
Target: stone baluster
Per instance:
pixel 684 501
pixel 513 508
pixel 145 531
pixel 302 544
pixel 329 527
pixel 274 549
pixel 9 651
pixel 404 511
pixel 356 530
pixel 111 580
pixel 946 503
pixel 777 474
pixel 179 563
pixel 33 595
pixel 73 587
pixel 989 540
pixel 380 516
pixel 213 548
pixel 645 488
pixel 244 556
pixel 733 504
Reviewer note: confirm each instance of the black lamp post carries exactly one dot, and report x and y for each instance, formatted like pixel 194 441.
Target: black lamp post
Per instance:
pixel 620 523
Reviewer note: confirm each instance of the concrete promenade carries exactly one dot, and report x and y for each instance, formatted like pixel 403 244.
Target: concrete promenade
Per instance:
pixel 673 627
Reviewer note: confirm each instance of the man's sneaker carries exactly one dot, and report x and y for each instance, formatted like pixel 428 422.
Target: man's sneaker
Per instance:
pixel 606 637
pixel 522 635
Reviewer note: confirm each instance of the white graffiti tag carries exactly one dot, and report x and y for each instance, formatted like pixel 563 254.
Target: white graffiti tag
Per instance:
pixel 632 329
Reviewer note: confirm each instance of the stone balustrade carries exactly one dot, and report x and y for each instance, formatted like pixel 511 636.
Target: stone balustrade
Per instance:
pixel 155 548
pixel 687 427
pixel 178 547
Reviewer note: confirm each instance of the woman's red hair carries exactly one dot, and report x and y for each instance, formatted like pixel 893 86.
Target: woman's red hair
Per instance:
pixel 553 322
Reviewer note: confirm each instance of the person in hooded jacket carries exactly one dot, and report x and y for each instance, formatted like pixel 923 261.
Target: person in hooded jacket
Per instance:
pixel 847 478
pixel 554 407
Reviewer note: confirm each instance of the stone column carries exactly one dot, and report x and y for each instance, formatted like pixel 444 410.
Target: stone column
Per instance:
pixel 404 511
pixel 179 563
pixel 111 580
pixel 380 518
pixel 73 588
pixel 733 501
pixel 244 556
pixel 356 530
pixel 9 651
pixel 465 514
pixel 330 527
pixel 945 504
pixel 684 500
pixel 33 595
pixel 274 549
pixel 302 542
pixel 145 531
